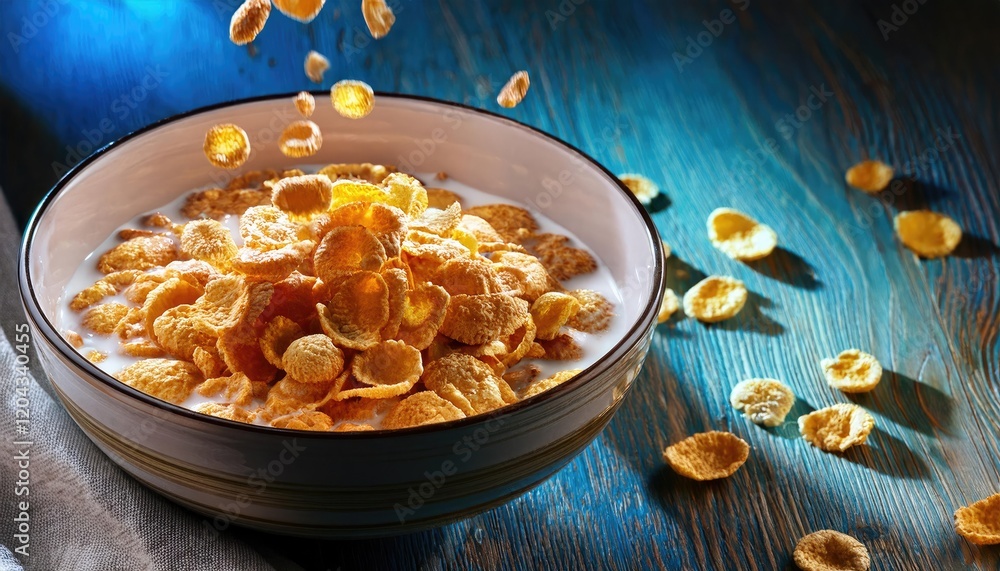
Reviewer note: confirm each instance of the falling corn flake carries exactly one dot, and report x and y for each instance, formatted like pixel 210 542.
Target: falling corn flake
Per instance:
pixel 227 146
pixel 300 139
pixel 715 298
pixel 830 550
pixel 669 306
pixel 869 176
pixel 644 189
pixel 764 401
pixel 305 104
pixel 739 236
pixel 980 522
pixel 853 371
pixel 515 89
pixel 352 99
pixel 316 65
pixel 378 16
pixel 301 10
pixel 928 234
pixel 836 428
pixel 707 455
pixel 248 21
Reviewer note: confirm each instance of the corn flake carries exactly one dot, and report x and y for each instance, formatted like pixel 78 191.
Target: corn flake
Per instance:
pixel 267 228
pixel 208 241
pixel 104 318
pixel 425 407
pixel 352 99
pixel 853 371
pixel 764 401
pixel 595 311
pixel 301 10
pixel 441 199
pixel 141 253
pixel 208 362
pixel 830 550
pixel 289 395
pixel 562 347
pixel 168 294
pixel 836 428
pixel 248 21
pixel 869 176
pixel 315 66
pixel 514 90
pixel 357 311
pixel 272 265
pixel 739 236
pixel 305 104
pixel 536 279
pixel 347 249
pixel 166 379
pixel 980 522
pixel 226 411
pixel 423 314
pixel 181 329
pixel 467 383
pixel 73 338
pixel 367 172
pixel 551 311
pixel 715 298
pixel 668 307
pixel 512 223
pixel 475 319
pixel 378 16
pixel 227 146
pixel 707 455
pixel 928 234
pixel 301 197
pixel 543 385
pixel 306 420
pixel 559 258
pixel 644 189
pixel 313 359
pixel 141 348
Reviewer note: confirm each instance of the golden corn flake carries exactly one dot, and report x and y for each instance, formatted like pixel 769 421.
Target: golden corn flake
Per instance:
pixel 306 420
pixel 352 99
pixel 836 428
pixel 110 284
pixel 423 313
pixel 277 336
pixel 73 338
pixel 272 265
pixel 536 279
pixel 209 241
pixel 980 522
pixel 739 236
pixel 853 371
pixel 227 146
pixel 267 228
pixel 301 197
pixel 208 362
pixel 512 223
pixel 305 104
pixel 300 139
pixel 514 90
pixel 347 249
pixel 830 550
pixel 141 253
pixel 707 455
pixel 141 348
pixel 95 356
pixel 425 407
pixel 559 258
pixel 104 318
pixel 543 385
pixel 644 189
pixel 764 401
pixel 406 193
pixel 170 293
pixel 551 311
pixel 387 370
pixel 475 319
pixel 928 234
pixel 170 380
pixel 440 222
pixel 313 359
pixel 316 65
pixel 216 203
pixel 481 230
pixel 235 389
pixel 180 330
pixel 289 395
pixel 301 10
pixel 226 411
pixel 248 21
pixel 595 311
pixel 441 199
pixel 467 383
pixel 715 298
pixel 668 307
pixel 357 312
pixel 869 176
pixel 378 16
pixel 367 172
pixel 562 348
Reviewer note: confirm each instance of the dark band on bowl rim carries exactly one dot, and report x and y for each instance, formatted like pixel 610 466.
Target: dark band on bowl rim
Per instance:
pixel 48 329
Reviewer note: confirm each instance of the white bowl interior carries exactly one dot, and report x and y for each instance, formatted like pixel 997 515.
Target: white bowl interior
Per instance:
pixel 490 153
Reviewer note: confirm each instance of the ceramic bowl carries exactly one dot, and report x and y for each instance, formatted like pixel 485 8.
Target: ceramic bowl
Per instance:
pixel 342 484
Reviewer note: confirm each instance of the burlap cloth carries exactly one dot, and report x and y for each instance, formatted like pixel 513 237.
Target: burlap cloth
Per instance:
pixel 84 512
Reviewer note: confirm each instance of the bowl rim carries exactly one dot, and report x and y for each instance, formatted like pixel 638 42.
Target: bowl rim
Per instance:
pixel 51 333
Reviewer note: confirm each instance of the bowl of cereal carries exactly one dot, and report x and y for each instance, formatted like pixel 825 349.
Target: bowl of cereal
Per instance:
pixel 359 327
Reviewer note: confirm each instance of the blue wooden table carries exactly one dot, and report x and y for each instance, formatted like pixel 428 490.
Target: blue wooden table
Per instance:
pixel 759 106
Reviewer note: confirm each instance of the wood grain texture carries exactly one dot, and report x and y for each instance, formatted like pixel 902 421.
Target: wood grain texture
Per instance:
pixel 720 130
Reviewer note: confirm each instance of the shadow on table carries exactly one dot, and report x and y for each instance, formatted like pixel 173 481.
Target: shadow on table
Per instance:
pixel 752 319
pixel 790 428
pixel 788 267
pixel 973 246
pixel 909 402
pixel 889 455
pixel 913 194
